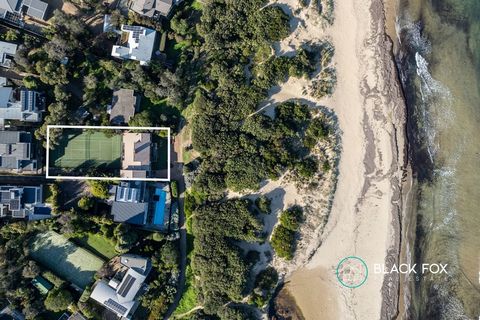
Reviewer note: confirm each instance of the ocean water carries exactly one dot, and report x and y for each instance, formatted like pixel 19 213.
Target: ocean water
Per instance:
pixel 439 63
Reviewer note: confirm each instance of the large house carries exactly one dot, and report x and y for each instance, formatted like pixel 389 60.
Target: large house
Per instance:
pixel 16 152
pixel 120 294
pixel 130 203
pixel 23 202
pixel 152 8
pixel 7 50
pixel 136 204
pixel 18 8
pixel 136 43
pixel 136 158
pixel 22 105
pixel 124 105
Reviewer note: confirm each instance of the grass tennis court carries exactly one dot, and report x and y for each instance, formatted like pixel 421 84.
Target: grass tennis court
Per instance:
pixel 64 258
pixel 84 149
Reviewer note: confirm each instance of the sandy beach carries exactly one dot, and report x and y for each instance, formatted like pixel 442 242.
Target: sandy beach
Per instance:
pixel 364 219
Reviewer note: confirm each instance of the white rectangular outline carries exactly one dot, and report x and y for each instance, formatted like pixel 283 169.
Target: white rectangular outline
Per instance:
pixel 107 178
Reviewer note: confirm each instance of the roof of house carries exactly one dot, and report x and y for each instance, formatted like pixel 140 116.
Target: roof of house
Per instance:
pixel 9 5
pixel 138 263
pixel 5 96
pixel 139 44
pixel 121 298
pixel 124 105
pixel 35 8
pixel 149 7
pixel 28 108
pixel 129 205
pixel 10 313
pixel 134 213
pixel 6 48
pixel 75 316
pixel 136 162
pixel 19 201
pixel 15 150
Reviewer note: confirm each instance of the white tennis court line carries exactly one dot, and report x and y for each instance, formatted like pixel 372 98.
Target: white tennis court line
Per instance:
pixel 48 176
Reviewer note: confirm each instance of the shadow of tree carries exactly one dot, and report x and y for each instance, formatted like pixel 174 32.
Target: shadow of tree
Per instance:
pixel 64 258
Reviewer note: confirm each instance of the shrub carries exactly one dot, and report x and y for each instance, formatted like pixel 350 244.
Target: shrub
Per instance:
pixel 30 82
pixel 291 218
pixel 157 236
pixel 58 300
pixel 326 166
pixel 174 188
pixel 98 189
pixel 53 278
pixel 283 242
pixel 85 203
pixel 54 192
pixel 307 167
pixel 263 204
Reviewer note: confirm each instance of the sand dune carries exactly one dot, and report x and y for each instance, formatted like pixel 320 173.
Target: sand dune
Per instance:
pixel 364 218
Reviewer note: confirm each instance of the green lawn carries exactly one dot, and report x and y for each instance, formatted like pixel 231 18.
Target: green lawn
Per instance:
pixel 69 261
pixel 97 244
pixel 189 297
pixel 79 148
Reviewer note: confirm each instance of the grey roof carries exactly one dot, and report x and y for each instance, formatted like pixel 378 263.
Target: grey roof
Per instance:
pixel 142 149
pixel 9 5
pixel 19 201
pixel 7 49
pixel 12 313
pixel 76 316
pixel 15 150
pixel 138 263
pixel 36 8
pixel 124 104
pixel 5 96
pixel 131 212
pixel 150 7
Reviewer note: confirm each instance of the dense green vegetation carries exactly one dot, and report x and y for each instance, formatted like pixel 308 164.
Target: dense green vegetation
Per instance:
pixel 263 204
pixel 216 259
pixel 17 270
pixel 219 61
pixel 283 237
pixel 58 300
pixel 265 283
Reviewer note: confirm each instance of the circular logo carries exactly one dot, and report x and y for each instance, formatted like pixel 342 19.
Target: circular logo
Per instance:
pixel 352 272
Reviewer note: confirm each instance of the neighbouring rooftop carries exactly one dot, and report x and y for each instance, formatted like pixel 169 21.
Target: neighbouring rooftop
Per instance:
pixel 22 105
pixel 16 151
pixel 23 202
pixel 150 8
pixel 34 8
pixel 136 161
pixel 120 294
pixel 139 45
pixel 124 106
pixel 129 205
pixel 7 49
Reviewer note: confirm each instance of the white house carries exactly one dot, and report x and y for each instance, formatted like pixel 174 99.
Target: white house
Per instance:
pixel 136 43
pixel 7 51
pixel 120 294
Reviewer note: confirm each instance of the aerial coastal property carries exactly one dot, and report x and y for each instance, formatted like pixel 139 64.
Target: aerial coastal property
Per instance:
pixel 239 159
